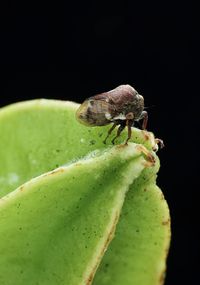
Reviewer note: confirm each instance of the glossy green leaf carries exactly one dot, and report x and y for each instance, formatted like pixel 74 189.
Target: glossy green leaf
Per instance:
pixel 55 228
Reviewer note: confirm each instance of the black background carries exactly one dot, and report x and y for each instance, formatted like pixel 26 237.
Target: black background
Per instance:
pixel 74 51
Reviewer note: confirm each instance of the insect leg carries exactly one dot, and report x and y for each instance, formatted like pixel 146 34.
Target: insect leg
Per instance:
pixel 129 124
pixel 144 116
pixel 110 131
pixel 159 141
pixel 120 129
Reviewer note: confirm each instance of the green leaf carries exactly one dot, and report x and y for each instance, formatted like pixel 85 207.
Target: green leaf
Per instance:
pixel 55 228
pixel 138 253
pixel 40 135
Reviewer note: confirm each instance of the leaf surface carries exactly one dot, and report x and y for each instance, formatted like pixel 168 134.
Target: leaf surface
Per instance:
pixel 55 228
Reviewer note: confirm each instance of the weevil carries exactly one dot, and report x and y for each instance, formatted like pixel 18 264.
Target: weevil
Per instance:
pixel 121 106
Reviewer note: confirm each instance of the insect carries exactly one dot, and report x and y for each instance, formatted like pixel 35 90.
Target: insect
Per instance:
pixel 121 106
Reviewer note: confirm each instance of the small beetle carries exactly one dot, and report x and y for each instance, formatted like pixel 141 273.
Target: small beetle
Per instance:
pixel 120 106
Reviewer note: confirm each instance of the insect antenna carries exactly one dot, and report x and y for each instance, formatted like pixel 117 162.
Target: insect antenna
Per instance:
pixel 149 107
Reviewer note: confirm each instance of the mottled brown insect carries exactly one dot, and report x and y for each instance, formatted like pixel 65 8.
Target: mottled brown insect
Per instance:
pixel 121 106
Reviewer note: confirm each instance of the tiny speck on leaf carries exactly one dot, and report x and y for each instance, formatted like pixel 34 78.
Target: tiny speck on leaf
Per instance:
pixel 92 142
